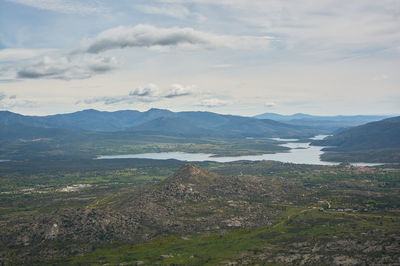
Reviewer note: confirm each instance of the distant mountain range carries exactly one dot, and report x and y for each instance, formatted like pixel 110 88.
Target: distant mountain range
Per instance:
pixel 330 123
pixel 158 121
pixel 373 142
pixel 90 132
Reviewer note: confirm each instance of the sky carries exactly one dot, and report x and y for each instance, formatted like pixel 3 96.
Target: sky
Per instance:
pixel 242 57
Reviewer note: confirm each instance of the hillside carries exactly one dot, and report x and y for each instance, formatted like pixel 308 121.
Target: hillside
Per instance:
pixel 175 126
pixel 376 141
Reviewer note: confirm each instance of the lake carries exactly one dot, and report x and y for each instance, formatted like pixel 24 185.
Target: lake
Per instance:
pixel 300 153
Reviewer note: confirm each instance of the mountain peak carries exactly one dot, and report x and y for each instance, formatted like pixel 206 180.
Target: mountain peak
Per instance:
pixel 89 111
pixel 156 110
pixel 190 169
pixel 191 173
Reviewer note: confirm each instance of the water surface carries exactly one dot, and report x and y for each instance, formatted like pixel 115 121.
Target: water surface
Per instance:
pixel 300 153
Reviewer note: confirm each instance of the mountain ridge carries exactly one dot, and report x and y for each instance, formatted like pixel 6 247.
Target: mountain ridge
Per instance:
pixel 331 123
pixel 372 142
pixel 375 135
pixel 189 123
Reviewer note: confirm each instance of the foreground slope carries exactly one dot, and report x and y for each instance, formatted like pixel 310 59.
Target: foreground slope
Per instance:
pixel 373 142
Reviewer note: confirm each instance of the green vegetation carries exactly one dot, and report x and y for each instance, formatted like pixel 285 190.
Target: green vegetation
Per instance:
pixel 42 186
pixel 317 214
pixel 306 228
pixel 91 144
pixel 371 156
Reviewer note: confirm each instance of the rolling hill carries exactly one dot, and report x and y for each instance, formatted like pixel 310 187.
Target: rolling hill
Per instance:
pixel 373 142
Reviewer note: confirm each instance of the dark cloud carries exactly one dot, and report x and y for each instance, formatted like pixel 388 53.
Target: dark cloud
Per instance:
pixel 67 68
pixel 151 90
pixel 148 93
pixel 103 64
pixel 150 36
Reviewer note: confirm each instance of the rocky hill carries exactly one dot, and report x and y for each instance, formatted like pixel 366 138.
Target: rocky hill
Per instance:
pixel 190 201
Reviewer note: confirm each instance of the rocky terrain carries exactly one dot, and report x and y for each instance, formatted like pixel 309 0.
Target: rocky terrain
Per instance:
pixel 291 215
pixel 380 251
pixel 190 201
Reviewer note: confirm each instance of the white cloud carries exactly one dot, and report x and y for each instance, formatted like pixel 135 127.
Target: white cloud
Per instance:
pixel 7 74
pixel 108 100
pixel 328 27
pixel 64 6
pixel 175 11
pixel 5 97
pixel 270 104
pixel 150 36
pixel 223 65
pixel 213 102
pixel 67 68
pixel 178 90
pixel 16 54
pixel 8 102
pixel 150 90
pixel 380 77
pixel 149 93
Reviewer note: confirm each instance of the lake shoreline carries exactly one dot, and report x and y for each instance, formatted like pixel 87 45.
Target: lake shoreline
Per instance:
pixel 298 153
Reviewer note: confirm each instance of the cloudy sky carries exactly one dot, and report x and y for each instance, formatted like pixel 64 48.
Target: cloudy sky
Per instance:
pixel 229 56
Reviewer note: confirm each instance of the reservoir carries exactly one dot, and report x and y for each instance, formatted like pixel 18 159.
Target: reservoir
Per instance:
pixel 300 153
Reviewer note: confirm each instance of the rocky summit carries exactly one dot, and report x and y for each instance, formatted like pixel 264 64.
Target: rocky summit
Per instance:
pixel 191 173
